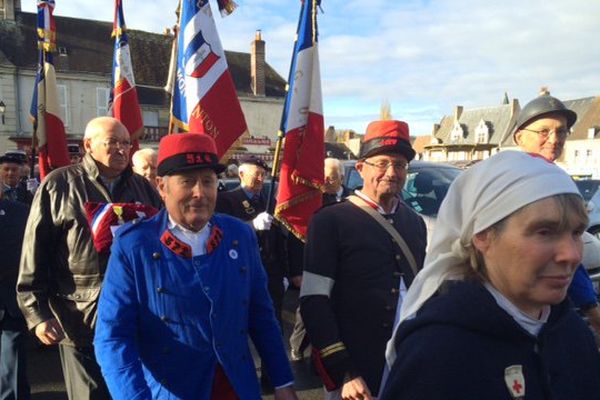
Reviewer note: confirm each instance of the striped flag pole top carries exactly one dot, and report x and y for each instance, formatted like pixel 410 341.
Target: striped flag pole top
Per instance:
pixel 49 135
pixel 301 174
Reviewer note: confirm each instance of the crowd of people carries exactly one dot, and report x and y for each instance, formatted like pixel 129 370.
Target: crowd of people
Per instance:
pixel 151 281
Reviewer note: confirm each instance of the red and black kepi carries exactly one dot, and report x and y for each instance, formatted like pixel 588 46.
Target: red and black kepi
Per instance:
pixel 186 151
pixel 387 137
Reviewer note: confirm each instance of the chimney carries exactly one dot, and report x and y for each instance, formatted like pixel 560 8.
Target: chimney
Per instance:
pixel 436 128
pixel 257 65
pixel 457 112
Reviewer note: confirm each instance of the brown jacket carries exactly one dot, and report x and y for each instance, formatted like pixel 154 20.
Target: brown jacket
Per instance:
pixel 61 272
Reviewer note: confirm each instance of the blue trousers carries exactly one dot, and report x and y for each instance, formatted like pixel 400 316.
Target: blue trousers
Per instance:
pixel 13 372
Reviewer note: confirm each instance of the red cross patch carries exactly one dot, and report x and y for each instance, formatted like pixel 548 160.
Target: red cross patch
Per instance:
pixel 515 381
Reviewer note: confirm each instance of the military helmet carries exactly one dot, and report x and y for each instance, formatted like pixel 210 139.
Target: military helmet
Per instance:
pixel 544 104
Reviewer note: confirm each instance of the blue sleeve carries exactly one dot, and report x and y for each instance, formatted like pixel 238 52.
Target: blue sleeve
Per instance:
pixel 115 338
pixel 263 326
pixel 581 291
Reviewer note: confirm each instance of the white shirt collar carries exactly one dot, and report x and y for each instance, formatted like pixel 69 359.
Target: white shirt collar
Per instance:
pixel 196 240
pixel 374 203
pixel 531 325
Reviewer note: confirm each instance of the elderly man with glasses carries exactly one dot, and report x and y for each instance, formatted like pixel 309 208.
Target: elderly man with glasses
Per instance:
pixel 360 256
pixel 74 214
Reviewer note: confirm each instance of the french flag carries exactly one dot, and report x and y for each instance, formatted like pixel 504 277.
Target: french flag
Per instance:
pixel 301 175
pixel 49 130
pixel 123 103
pixel 204 96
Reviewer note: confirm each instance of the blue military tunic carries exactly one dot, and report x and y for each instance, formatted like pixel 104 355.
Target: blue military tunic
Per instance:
pixel 167 319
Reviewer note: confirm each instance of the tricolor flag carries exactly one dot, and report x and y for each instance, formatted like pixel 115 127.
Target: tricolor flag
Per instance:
pixel 204 98
pixel 48 129
pixel 301 175
pixel 123 101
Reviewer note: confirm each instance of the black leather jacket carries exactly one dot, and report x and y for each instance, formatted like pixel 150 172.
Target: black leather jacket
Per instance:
pixel 61 272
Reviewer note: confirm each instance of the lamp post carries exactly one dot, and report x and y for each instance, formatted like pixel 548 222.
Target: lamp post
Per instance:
pixel 2 110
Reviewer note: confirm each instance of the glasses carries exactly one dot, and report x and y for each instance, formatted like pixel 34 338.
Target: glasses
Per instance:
pixel 544 133
pixel 383 165
pixel 114 144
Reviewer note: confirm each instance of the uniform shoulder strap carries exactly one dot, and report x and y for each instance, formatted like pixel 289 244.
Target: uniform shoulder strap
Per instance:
pixel 363 205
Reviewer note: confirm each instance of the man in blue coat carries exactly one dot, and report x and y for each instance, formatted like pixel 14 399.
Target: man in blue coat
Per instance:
pixel 183 292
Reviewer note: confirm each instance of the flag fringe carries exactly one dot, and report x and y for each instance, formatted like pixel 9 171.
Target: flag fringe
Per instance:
pixel 290 228
pixel 295 201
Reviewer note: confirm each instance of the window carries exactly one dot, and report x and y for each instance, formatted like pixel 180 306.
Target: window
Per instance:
pixel 457 133
pixel 63 104
pixel 588 152
pixel 150 118
pixel 102 97
pixel 482 132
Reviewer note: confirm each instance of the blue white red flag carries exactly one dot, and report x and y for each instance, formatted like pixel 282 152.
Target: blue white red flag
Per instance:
pixel 204 97
pixel 124 104
pixel 49 130
pixel 301 175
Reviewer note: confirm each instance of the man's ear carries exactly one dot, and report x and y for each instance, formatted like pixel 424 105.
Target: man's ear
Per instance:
pixel 87 145
pixel 518 138
pixel 161 182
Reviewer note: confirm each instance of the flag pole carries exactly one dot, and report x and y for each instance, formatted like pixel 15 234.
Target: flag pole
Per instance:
pixel 35 122
pixel 281 132
pixel 172 77
pixel 33 151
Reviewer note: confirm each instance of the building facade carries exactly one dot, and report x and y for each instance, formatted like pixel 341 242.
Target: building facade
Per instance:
pixel 83 66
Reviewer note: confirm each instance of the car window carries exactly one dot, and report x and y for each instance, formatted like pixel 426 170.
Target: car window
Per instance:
pixel 587 187
pixel 426 187
pixel 354 180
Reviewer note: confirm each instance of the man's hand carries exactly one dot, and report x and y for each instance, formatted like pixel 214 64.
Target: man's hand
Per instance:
pixel 285 393
pixel 263 221
pixel 356 389
pixel 296 281
pixel 49 332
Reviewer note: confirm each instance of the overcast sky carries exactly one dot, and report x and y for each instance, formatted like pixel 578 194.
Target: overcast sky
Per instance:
pixel 422 56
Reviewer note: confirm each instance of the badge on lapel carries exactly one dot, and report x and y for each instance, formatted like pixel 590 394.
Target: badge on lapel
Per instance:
pixel 515 381
pixel 248 207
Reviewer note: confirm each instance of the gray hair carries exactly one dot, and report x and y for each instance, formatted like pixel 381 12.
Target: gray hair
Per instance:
pixel 334 163
pixel 143 153
pixel 94 127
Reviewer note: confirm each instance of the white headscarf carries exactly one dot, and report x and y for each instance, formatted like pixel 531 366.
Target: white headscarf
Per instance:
pixel 481 196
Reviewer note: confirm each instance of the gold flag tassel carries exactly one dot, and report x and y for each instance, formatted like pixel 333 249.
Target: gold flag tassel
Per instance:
pixel 226 7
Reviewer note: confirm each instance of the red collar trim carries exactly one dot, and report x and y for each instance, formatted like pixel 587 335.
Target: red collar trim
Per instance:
pixel 216 234
pixel 175 245
pixel 184 250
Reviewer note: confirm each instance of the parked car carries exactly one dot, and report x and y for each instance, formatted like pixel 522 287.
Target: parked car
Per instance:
pixel 590 193
pixel 426 184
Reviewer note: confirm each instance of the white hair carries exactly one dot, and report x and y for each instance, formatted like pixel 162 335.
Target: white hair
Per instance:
pixel 143 153
pixel 334 163
pixel 94 127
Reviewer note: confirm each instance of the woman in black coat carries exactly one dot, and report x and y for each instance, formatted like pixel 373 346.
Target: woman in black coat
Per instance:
pixel 487 317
